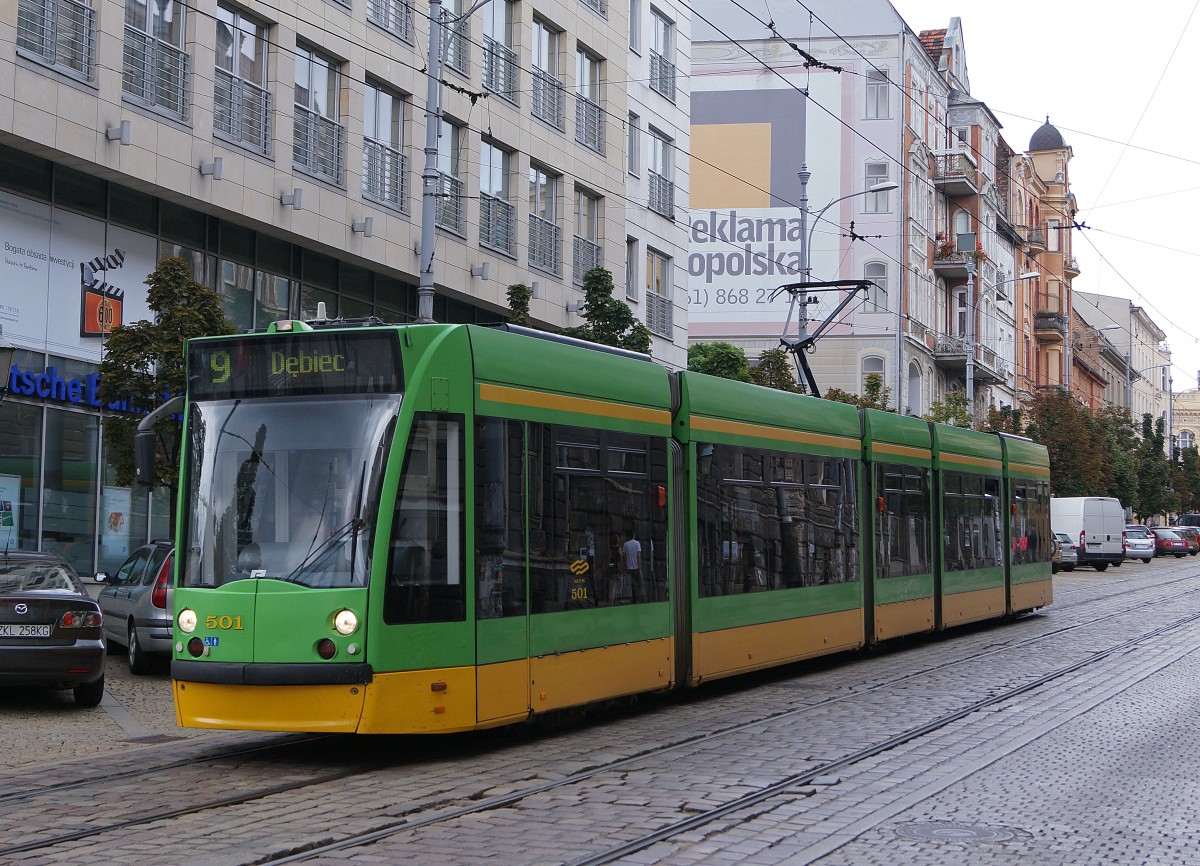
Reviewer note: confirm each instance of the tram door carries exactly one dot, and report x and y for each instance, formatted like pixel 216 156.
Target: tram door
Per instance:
pixel 501 571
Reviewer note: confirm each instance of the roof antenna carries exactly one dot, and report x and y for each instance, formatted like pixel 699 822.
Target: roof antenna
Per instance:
pixel 321 317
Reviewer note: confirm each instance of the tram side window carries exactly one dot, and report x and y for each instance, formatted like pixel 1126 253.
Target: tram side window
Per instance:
pixel 598 518
pixel 904 526
pixel 772 520
pixel 971 521
pixel 499 518
pixel 425 562
pixel 1031 522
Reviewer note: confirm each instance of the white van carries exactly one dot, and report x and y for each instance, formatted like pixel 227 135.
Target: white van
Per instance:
pixel 1096 523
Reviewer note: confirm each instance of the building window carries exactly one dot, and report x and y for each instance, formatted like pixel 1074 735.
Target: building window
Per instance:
pixel 320 141
pixel 634 144
pixel 587 253
pixel 544 243
pixel 61 32
pixel 1187 439
pixel 589 117
pixel 499 58
pixel 631 269
pixel 451 211
pixel 960 313
pixel 876 202
pixel 662 55
pixel 877 293
pixel 913 396
pixel 877 94
pixel 241 101
pixel 385 167
pixel 635 26
pixel 871 364
pixel 659 308
pixel 1052 235
pixel 456 36
pixel 497 216
pixel 155 69
pixel 394 16
pixel 662 188
pixel 549 95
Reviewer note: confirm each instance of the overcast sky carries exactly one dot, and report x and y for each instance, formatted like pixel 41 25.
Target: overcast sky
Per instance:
pixel 1119 82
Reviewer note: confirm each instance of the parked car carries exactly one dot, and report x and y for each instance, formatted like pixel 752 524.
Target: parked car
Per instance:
pixel 1069 555
pixel 50 627
pixel 1168 542
pixel 1191 535
pixel 1096 522
pixel 1139 543
pixel 135 604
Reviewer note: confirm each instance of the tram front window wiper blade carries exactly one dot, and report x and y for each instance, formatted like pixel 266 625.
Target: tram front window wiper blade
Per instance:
pixel 349 529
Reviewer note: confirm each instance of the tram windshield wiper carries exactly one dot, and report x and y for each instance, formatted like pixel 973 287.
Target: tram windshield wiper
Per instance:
pixel 325 550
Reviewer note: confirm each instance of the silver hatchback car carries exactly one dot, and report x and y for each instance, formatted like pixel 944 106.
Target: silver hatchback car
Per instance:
pixel 135 602
pixel 1139 543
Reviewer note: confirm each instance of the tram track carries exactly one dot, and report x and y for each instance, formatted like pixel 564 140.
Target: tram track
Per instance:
pixel 782 787
pixel 404 823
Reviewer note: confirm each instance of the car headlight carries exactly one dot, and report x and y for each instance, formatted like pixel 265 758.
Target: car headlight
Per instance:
pixel 345 621
pixel 187 620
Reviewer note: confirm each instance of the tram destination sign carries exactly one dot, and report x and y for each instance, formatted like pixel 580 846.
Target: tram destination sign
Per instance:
pixel 304 363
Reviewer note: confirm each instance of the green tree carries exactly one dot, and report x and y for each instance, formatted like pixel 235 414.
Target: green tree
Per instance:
pixel 1186 474
pixel 875 394
pixel 1006 419
pixel 144 363
pixel 951 410
pixel 1154 493
pixel 1121 443
pixel 719 359
pixel 1074 439
pixel 773 370
pixel 519 296
pixel 610 321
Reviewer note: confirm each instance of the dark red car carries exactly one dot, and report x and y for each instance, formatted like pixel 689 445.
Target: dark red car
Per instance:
pixel 1191 535
pixel 1168 542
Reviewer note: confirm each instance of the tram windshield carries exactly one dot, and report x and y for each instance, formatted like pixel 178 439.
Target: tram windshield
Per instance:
pixel 284 489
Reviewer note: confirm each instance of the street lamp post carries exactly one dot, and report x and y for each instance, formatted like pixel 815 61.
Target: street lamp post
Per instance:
pixel 806 233
pixel 430 176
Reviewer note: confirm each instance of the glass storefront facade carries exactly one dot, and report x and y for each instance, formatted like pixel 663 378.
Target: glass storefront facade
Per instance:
pixel 57 484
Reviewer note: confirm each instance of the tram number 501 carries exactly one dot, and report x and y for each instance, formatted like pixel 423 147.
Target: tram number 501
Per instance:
pixel 225 623
pixel 579 593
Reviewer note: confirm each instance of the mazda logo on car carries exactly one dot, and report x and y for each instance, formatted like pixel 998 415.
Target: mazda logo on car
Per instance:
pixel 22 608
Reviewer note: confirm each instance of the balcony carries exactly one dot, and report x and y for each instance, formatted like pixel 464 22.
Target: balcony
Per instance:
pixel 394 16
pixel 1049 327
pixel 1033 237
pixel 660 315
pixel 500 70
pixel 950 354
pixel 955 173
pixel 319 145
pixel 589 124
pixel 62 34
pixel 497 224
pixel 952 264
pixel 450 211
pixel 662 75
pixel 1071 266
pixel 241 111
pixel 585 256
pixel 544 245
pixel 662 196
pixel 549 98
pixel 385 174
pixel 156 73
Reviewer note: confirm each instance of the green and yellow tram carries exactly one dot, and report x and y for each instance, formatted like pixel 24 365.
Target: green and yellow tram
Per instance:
pixel 391 529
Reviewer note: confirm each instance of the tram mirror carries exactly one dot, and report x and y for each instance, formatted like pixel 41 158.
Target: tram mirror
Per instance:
pixel 145 447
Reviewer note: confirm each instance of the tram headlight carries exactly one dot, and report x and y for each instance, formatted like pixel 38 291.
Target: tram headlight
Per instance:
pixel 187 620
pixel 345 621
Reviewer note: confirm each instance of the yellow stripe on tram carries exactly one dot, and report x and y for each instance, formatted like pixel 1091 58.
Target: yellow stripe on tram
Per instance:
pixel 760 431
pixel 577 405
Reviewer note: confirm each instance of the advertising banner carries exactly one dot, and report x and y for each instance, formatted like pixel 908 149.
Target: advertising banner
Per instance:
pixel 10 511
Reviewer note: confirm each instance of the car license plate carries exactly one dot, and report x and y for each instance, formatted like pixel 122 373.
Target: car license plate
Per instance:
pixel 24 631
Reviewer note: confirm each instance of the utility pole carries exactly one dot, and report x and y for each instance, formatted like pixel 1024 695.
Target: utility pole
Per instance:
pixel 430 177
pixel 971 337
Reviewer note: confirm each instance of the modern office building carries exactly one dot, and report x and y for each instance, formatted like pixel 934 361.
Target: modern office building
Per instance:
pixel 280 148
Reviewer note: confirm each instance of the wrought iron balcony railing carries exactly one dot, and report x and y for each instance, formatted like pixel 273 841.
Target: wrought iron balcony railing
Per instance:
pixel 549 99
pixel 60 32
pixel 242 111
pixel 497 224
pixel 320 145
pixel 156 72
pixel 385 174
pixel 544 245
